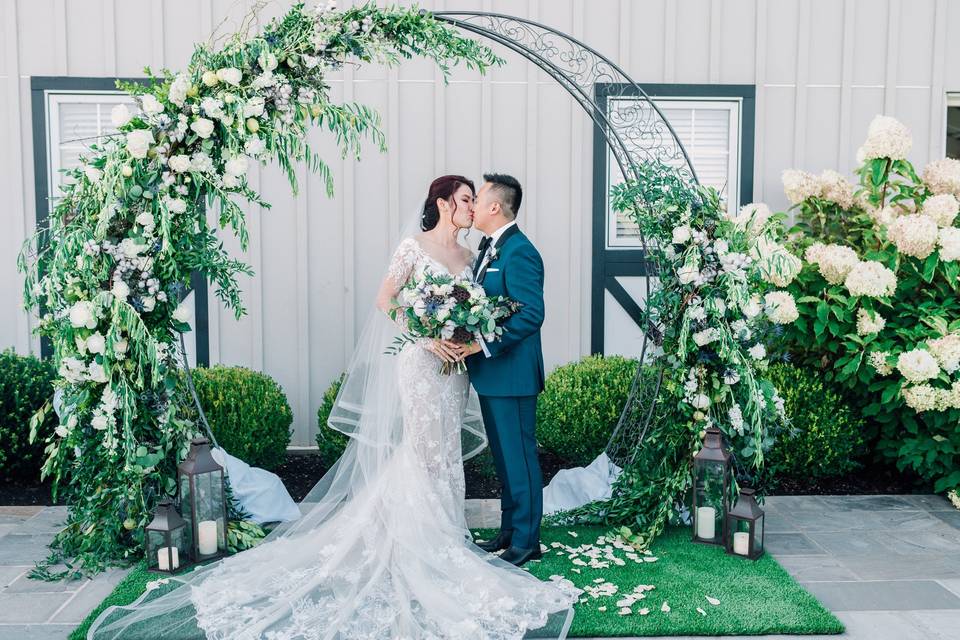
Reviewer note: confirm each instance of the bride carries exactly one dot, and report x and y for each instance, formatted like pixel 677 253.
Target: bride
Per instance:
pixel 384 550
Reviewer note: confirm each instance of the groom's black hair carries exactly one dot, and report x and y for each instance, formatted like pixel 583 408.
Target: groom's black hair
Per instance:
pixel 508 189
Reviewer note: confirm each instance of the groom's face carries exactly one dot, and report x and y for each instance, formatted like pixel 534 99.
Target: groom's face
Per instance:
pixel 486 209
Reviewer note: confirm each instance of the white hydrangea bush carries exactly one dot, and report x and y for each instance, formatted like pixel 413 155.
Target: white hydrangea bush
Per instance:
pixel 877 296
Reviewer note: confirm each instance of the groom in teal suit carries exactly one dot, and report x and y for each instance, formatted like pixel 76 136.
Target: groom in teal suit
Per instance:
pixel 508 373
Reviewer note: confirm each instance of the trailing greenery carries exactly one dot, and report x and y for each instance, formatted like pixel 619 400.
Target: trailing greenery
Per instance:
pixel 26 383
pixel 878 297
pixel 717 304
pixel 826 436
pixel 107 273
pixel 580 405
pixel 330 442
pixel 248 413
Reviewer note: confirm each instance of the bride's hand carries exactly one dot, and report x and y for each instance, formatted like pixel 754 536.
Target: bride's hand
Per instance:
pixel 443 350
pixel 459 350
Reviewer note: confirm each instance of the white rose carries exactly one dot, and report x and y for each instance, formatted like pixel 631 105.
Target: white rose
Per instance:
pixel 253 146
pixel 96 373
pixel 145 219
pixel 62 431
pixel 758 352
pixel 81 315
pixel 149 303
pixel 182 313
pixel 96 343
pixel 138 142
pixel 254 107
pixel 120 115
pixel 179 163
pixel 99 422
pixel 120 346
pixel 687 274
pixel 752 307
pixel 230 75
pixel 93 174
pixel 236 166
pixel 681 234
pixel 130 248
pixel 202 127
pixel 267 61
pixel 151 106
pixel 178 89
pixel 700 401
pixel 176 205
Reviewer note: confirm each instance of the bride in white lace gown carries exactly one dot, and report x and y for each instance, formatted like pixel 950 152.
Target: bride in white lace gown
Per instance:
pixel 384 551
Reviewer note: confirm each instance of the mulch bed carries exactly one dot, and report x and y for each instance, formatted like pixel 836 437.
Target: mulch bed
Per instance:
pixel 301 471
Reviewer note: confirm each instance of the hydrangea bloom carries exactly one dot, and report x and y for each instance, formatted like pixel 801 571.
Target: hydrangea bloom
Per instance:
pixel 871 279
pixel 914 235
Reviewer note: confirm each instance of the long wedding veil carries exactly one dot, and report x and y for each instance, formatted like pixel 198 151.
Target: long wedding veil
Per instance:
pixel 367 409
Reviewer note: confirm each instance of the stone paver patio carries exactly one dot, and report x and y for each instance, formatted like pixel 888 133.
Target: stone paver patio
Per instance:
pixel 888 566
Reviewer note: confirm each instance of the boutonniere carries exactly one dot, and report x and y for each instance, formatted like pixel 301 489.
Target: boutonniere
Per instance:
pixel 493 254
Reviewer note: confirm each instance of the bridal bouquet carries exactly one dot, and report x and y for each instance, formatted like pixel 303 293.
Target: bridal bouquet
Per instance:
pixel 444 307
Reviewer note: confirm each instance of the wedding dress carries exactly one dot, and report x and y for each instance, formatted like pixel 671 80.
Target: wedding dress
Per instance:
pixel 384 551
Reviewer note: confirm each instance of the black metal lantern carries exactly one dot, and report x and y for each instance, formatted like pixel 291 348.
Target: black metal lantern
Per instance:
pixel 745 526
pixel 166 539
pixel 203 501
pixel 711 490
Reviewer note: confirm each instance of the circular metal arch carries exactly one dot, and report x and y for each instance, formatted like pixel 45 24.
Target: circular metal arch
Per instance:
pixel 636 132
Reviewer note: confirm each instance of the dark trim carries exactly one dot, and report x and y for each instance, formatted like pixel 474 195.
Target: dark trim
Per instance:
pixel 609 263
pixel 629 304
pixel 39 85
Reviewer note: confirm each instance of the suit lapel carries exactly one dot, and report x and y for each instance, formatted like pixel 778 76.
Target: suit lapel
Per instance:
pixel 496 245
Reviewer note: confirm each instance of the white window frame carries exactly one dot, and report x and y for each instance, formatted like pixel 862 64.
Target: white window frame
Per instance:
pixel 54 98
pixel 731 191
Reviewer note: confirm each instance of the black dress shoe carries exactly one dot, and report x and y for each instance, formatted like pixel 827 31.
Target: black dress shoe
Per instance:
pixel 502 541
pixel 517 556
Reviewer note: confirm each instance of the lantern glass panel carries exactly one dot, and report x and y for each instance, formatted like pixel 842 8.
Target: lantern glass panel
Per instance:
pixel 710 503
pixel 166 550
pixel 186 502
pixel 758 536
pixel 211 536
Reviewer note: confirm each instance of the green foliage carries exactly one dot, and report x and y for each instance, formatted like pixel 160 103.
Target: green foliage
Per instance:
pixel 248 413
pixel 26 384
pixel 580 405
pixel 913 422
pixel 827 435
pixel 130 227
pixel 707 315
pixel 330 442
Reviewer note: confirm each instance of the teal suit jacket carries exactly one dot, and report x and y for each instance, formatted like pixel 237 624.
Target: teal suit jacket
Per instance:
pixel 515 365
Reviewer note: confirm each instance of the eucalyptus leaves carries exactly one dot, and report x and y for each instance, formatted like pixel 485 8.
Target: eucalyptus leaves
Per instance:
pixel 109 272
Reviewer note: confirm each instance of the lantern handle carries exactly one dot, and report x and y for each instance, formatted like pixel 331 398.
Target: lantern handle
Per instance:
pixel 193 392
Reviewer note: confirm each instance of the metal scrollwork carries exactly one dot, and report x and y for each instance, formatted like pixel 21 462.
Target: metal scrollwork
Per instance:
pixel 636 132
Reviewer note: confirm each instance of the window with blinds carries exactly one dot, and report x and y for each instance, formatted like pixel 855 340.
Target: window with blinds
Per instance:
pixel 710 132
pixel 75 121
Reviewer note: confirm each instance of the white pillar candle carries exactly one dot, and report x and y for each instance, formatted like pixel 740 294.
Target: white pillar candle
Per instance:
pixel 163 560
pixel 706 525
pixel 207 537
pixel 741 543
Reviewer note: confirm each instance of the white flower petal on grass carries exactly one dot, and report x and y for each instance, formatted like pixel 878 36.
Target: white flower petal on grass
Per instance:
pixel 665 607
pixel 712 600
pixel 701 611
pixel 601 608
pixel 625 611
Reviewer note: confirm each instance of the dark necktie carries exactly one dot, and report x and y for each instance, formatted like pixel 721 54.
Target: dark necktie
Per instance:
pixel 481 251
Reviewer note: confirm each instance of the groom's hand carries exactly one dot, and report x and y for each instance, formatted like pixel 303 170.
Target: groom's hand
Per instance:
pixel 469 349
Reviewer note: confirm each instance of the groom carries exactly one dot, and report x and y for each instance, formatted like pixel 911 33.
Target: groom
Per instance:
pixel 508 373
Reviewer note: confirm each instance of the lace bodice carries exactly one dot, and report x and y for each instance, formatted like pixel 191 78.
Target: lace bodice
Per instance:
pixel 411 258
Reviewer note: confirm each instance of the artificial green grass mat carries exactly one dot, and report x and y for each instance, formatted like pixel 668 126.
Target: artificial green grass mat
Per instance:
pixel 129 589
pixel 755 598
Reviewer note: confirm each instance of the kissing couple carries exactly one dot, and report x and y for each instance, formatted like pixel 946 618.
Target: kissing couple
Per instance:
pixel 384 551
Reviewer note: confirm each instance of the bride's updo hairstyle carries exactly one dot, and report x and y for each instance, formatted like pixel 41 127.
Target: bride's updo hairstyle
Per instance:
pixel 443 187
